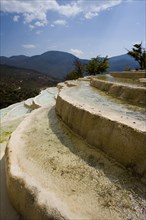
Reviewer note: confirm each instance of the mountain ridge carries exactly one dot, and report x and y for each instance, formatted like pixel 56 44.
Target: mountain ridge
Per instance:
pixel 58 64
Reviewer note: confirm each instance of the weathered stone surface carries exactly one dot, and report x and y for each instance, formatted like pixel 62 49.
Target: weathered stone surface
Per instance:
pixel 60 172
pixel 10 119
pixel 121 139
pixel 53 174
pixel 129 74
pixel 134 95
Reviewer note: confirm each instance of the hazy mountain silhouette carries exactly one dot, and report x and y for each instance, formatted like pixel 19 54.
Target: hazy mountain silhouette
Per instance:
pixel 53 63
pixel 58 64
pixel 118 63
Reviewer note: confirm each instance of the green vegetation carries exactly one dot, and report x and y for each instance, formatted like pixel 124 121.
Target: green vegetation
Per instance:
pixel 4 136
pixel 77 72
pixel 79 68
pixel 17 84
pixel 71 76
pixel 94 66
pixel 139 54
pixel 97 65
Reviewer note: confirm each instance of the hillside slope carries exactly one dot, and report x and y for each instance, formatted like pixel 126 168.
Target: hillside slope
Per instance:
pixel 18 84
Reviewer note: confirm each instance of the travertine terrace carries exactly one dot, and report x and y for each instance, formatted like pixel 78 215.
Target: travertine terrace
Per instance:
pixel 79 156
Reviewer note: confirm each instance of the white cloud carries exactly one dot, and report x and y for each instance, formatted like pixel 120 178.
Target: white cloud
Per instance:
pixel 91 9
pixel 40 24
pixel 76 52
pixel 37 11
pixel 16 18
pixel 38 32
pixel 71 9
pixel 31 10
pixel 60 22
pixel 31 27
pixel 28 46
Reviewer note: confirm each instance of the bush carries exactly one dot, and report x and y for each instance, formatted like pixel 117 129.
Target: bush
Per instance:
pixel 97 65
pixel 71 76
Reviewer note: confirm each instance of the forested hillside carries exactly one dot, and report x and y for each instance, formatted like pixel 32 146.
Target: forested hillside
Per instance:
pixel 18 84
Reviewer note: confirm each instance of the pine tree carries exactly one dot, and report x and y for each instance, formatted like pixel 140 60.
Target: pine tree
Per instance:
pixel 139 54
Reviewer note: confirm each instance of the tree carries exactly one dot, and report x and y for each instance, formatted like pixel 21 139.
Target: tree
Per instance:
pixel 139 54
pixel 71 76
pixel 79 68
pixel 77 72
pixel 97 65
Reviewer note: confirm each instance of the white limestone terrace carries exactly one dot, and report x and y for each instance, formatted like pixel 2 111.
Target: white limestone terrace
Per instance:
pixel 29 102
pixel 132 82
pixel 14 110
pixel 18 109
pixel 130 90
pixel 133 74
pixel 46 96
pixel 117 128
pixel 53 174
pixel 10 118
pixel 85 96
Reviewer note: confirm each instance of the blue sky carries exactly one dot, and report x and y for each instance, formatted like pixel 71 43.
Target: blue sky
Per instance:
pixel 85 28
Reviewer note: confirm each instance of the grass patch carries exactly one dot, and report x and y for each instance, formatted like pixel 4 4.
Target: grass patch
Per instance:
pixel 4 136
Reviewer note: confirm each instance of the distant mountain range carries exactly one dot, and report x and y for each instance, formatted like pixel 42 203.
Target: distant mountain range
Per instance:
pixel 58 64
pixel 118 63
